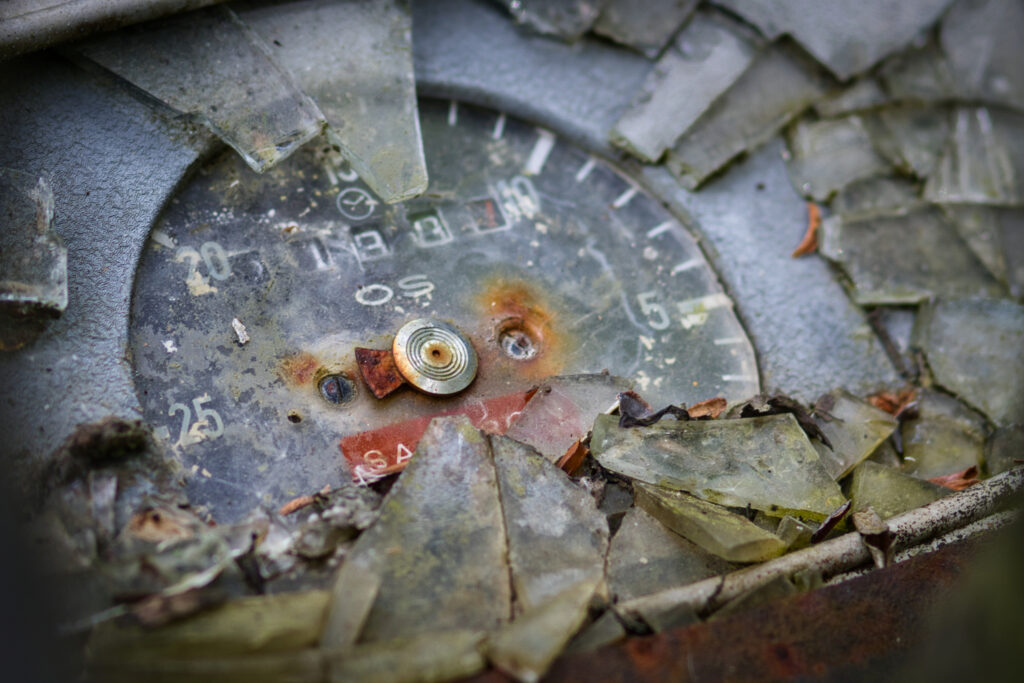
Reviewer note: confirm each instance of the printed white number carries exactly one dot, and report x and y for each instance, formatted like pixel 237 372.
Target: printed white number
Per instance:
pixel 431 231
pixel 370 245
pixel 216 260
pixel 519 199
pixel 201 428
pixel 657 317
pixel 213 257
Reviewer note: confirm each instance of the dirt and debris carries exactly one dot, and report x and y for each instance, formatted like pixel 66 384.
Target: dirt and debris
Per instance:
pixel 781 405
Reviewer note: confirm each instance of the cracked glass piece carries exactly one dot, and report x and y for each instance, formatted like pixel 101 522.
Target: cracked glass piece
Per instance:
pixel 979 228
pixel 562 411
pixel 766 462
pixel 919 74
pixel 854 427
pixel 904 259
pixel 911 137
pixel 775 88
pixel 210 65
pixel 241 626
pixel 428 658
pixel 1004 449
pixel 846 37
pixel 874 196
pixel 707 57
pixel 862 94
pixel 720 532
pixel 983 162
pixel 945 437
pixel 648 30
pixel 775 589
pixel 605 630
pixel 568 19
pixel 886 455
pixel 527 647
pixel 439 543
pixel 888 491
pixel 825 156
pixel 557 538
pixel 794 533
pixel 982 41
pixel 645 558
pixel 33 260
pixel 974 349
pixel 354 59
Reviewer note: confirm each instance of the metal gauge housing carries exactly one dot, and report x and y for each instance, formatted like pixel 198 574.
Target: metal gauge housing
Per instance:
pixel 254 290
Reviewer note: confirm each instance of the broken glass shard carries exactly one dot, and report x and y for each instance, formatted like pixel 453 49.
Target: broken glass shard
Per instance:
pixel 978 226
pixel 567 19
pixel 242 626
pixel 983 161
pixel 428 658
pixel 919 74
pixel 765 462
pixel 439 543
pixel 557 538
pixel 605 630
pixel 355 60
pixel 904 259
pixel 647 31
pixel 562 412
pixel 825 156
pixel 707 56
pixel 890 492
pixel 1004 449
pixel 778 85
pixel 527 647
pixel 945 437
pixel 775 589
pixel 720 532
pixel 208 64
pixel 981 39
pixel 854 427
pixel 974 349
pixel 862 94
pixel 33 261
pixel 911 137
pixel 846 37
pixel 874 196
pixel 645 558
pixel 794 533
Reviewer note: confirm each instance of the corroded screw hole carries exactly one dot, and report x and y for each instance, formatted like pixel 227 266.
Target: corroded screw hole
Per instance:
pixel 516 341
pixel 336 389
pixel 294 416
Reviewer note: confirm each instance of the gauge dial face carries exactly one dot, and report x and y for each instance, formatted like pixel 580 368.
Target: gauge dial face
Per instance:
pixel 254 290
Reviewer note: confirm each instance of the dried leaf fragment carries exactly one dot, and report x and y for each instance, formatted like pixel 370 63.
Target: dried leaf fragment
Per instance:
pixel 958 481
pixel 809 243
pixel 893 403
pixel 710 409
pixel 634 411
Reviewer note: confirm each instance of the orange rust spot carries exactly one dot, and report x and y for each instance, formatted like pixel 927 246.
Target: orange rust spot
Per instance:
pixel 507 305
pixel 377 366
pixel 299 368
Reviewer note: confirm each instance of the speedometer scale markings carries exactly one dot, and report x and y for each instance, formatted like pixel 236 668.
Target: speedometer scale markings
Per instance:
pixel 550 261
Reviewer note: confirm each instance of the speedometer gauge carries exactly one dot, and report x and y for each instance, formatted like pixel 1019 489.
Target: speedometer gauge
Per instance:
pixel 254 292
